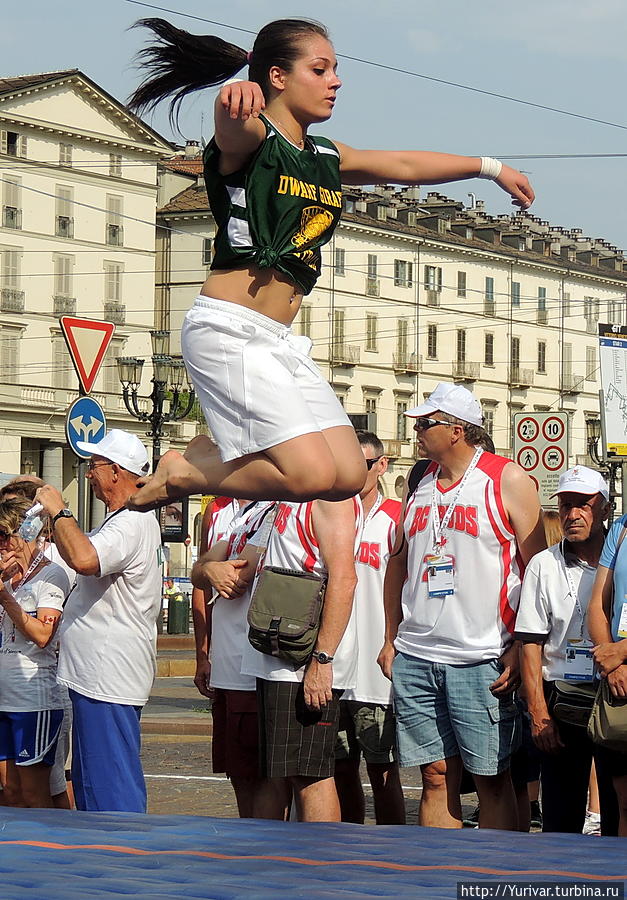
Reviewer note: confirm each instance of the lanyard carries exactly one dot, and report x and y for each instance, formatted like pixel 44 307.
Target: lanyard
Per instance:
pixel 13 590
pixel 571 588
pixel 439 526
pixel 375 506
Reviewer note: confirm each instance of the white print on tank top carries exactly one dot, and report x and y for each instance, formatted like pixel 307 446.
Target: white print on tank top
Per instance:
pixel 293 545
pixel 477 621
pixel 377 542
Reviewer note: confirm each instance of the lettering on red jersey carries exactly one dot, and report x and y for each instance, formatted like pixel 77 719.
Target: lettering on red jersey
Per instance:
pixel 283 514
pixel 464 519
pixel 369 554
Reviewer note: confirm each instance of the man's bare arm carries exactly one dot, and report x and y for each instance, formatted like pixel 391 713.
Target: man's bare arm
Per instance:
pixel 522 505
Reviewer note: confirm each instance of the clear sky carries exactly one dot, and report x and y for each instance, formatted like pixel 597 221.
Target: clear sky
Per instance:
pixel 568 54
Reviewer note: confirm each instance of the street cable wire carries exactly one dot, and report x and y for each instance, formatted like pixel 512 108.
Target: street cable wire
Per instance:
pixel 388 68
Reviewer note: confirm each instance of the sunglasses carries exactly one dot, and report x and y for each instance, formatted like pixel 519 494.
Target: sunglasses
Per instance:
pixel 92 465
pixel 370 462
pixel 423 423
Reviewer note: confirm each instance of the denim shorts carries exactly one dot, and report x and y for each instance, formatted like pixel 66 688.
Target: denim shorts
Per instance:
pixel 444 710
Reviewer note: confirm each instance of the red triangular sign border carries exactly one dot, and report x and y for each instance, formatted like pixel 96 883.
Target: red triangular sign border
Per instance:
pixel 68 324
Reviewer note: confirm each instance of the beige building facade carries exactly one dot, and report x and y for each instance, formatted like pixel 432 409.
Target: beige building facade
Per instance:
pixel 416 290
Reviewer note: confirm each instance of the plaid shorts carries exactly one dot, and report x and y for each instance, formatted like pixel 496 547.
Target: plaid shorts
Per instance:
pixel 293 739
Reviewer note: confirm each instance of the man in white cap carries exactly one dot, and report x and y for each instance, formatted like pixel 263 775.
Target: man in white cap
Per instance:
pixel 551 623
pixel 108 631
pixel 451 592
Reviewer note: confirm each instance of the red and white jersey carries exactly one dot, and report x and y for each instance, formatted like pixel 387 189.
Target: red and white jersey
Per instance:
pixel 229 625
pixel 293 545
pixel 477 620
pixel 223 511
pixel 377 542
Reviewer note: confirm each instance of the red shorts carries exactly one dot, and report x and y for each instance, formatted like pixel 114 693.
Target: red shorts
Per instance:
pixel 235 743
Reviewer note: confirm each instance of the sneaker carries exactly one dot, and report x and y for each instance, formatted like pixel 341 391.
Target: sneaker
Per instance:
pixel 535 819
pixel 592 825
pixel 471 821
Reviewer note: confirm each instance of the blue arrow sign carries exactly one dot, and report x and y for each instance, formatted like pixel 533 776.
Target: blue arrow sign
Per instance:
pixel 85 422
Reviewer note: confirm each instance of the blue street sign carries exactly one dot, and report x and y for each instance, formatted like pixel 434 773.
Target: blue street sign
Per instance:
pixel 85 422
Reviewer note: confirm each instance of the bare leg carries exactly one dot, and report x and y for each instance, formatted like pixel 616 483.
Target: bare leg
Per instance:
pixel 350 791
pixel 497 801
pixel 326 465
pixel 620 786
pixel 12 791
pixel 35 785
pixel 440 806
pixel 389 803
pixel 316 799
pixel 272 799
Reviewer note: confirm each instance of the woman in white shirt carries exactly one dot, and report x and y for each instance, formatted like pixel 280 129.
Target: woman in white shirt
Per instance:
pixel 32 594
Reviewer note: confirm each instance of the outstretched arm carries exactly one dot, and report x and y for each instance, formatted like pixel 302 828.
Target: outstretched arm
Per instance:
pixel 425 167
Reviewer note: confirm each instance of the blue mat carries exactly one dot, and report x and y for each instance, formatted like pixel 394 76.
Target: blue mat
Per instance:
pixel 60 855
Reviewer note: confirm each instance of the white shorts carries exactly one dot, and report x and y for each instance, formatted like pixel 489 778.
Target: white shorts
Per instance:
pixel 254 379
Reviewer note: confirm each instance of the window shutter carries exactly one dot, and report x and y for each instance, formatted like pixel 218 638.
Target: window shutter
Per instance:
pixel 3 141
pixel 22 146
pixel 439 270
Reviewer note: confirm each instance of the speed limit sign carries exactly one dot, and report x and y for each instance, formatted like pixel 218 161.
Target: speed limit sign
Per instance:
pixel 541 449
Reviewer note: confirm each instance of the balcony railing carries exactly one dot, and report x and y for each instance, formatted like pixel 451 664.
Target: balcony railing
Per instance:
pixel 572 384
pixel 405 362
pixel 392 449
pixel 489 306
pixel 11 217
pixel 465 371
pixel 64 227
pixel 11 301
pixel 63 306
pixel 115 235
pixel 345 355
pixel 521 378
pixel 115 312
pixel 372 286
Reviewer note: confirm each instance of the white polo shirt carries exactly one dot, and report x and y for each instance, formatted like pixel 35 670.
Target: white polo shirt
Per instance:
pixel 548 610
pixel 108 633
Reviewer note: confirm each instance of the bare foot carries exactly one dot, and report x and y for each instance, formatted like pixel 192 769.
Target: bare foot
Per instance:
pixel 174 478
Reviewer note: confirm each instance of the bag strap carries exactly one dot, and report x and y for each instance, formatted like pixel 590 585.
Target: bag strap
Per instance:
pixel 416 475
pixel 621 538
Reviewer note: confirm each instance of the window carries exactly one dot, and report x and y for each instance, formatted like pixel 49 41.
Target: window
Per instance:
pixel 613 312
pixel 64 223
pixel 371 331
pixel 591 310
pixel 372 265
pixel 63 270
pixel 11 202
pixel 338 327
pixel 401 420
pixel 11 297
pixel 207 251
pixel 305 319
pixel 113 281
pixel 566 303
pixel 461 284
pixel 341 398
pixel 488 349
pixel 461 345
pixel 12 143
pixel 542 357
pixel 542 298
pixel 516 353
pixel 433 278
pixel 489 306
pixel 10 354
pixel 61 365
pixel 401 338
pixel 349 206
pixel 372 282
pixel 115 165
pixel 515 293
pixel 114 232
pixel 488 419
pixel 432 342
pixel 110 369
pixel 371 407
pixel 402 273
pixel 568 361
pixel 65 154
pixel 591 363
pixel 340 261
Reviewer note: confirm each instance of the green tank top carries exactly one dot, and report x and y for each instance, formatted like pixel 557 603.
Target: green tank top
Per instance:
pixel 280 209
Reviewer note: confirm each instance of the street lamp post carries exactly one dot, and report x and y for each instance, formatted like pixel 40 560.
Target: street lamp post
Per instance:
pixel 169 402
pixel 609 467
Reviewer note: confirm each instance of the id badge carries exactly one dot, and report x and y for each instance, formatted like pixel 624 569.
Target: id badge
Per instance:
pixel 440 576
pixel 622 625
pixel 579 663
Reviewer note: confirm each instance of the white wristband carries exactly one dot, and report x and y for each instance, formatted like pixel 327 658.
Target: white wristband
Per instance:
pixel 231 81
pixel 490 168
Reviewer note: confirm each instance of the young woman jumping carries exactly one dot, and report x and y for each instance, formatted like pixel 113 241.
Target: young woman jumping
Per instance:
pixel 275 193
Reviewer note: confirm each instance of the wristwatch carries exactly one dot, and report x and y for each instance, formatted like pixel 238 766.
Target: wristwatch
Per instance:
pixel 62 514
pixel 322 657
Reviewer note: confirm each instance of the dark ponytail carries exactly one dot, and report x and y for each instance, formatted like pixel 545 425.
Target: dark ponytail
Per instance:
pixel 180 63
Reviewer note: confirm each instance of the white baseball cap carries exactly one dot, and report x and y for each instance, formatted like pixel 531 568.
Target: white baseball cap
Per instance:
pixel 582 480
pixel 120 447
pixel 452 399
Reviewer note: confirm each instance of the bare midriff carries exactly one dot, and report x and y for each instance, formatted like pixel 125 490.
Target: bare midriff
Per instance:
pixel 265 290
